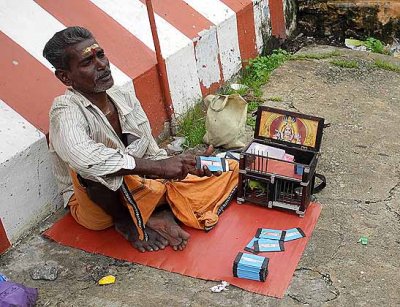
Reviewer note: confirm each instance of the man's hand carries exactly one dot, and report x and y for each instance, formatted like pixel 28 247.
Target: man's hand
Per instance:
pixel 205 171
pixel 177 167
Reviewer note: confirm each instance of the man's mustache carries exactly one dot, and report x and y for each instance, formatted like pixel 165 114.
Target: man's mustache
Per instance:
pixel 106 73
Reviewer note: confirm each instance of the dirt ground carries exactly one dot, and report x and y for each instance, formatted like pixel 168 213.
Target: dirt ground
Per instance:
pixel 360 159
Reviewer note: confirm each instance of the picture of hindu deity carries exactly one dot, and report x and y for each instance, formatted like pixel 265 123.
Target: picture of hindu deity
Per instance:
pixel 288 131
pixel 287 128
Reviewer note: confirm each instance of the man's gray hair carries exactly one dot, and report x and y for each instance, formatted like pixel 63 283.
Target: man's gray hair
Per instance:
pixel 54 51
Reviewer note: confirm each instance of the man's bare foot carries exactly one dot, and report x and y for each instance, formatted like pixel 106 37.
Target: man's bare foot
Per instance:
pixel 164 223
pixel 128 230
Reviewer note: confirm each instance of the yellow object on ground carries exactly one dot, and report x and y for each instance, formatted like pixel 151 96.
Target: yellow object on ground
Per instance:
pixel 106 280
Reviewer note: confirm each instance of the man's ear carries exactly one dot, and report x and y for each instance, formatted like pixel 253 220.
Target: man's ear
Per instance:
pixel 63 76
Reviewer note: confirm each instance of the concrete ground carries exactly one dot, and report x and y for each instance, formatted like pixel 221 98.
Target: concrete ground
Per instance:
pixel 361 162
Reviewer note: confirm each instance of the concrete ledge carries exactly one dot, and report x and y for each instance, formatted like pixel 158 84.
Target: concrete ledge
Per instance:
pixel 27 187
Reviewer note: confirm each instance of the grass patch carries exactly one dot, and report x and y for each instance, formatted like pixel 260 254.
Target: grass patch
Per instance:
pixel 192 125
pixel 345 63
pixel 387 66
pixel 315 56
pixel 276 98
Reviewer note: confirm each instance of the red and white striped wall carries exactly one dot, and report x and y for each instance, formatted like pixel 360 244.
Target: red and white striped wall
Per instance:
pixel 203 44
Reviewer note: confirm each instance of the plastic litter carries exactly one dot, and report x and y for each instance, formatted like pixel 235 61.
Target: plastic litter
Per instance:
pixel 238 87
pixel 107 280
pixel 13 294
pixel 221 287
pixel 355 44
pixel 3 278
pixel 176 144
pixel 363 240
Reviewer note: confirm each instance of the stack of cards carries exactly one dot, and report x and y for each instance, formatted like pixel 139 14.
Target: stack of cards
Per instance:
pixel 271 240
pixel 250 267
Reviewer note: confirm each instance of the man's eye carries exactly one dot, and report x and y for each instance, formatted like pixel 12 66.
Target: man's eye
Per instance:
pixel 86 62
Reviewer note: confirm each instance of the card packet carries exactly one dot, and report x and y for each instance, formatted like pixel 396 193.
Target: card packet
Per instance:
pixel 250 246
pixel 268 245
pixel 272 234
pixel 294 234
pixel 214 164
pixel 250 266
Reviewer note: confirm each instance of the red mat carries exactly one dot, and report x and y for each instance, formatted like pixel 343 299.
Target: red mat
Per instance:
pixel 209 255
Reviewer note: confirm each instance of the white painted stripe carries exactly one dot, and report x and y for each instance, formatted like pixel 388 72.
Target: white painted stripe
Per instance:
pixel 207 57
pixel 27 187
pixel 182 71
pixel 30 26
pixel 132 15
pixel 214 10
pixel 11 142
pixel 262 22
pixel 184 86
pixel 228 40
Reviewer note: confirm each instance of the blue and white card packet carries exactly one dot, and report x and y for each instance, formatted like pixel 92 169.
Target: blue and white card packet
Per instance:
pixel 268 245
pixel 257 245
pixel 250 246
pixel 293 234
pixel 273 234
pixel 214 164
pixel 250 266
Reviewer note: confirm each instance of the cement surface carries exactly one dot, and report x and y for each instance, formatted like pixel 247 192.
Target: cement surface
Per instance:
pixel 361 162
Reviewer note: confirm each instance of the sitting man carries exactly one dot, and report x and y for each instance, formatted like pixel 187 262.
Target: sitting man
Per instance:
pixel 107 163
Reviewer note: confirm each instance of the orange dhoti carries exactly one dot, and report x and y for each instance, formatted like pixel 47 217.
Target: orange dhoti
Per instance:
pixel 195 201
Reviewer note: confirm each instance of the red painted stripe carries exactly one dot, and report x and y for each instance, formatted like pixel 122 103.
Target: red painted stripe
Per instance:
pixel 4 242
pixel 124 50
pixel 277 18
pixel 182 16
pixel 26 85
pixel 246 28
pixel 148 91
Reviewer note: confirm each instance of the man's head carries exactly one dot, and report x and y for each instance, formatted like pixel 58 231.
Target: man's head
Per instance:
pixel 79 61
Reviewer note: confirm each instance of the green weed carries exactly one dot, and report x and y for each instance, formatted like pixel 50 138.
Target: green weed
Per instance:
pixel 192 126
pixel 345 63
pixel 259 69
pixel 387 66
pixel 251 121
pixel 252 106
pixel 375 45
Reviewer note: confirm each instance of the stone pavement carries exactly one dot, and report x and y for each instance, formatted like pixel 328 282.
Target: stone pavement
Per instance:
pixel 361 162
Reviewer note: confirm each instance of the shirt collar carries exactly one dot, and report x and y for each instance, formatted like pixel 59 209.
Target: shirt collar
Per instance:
pixel 112 92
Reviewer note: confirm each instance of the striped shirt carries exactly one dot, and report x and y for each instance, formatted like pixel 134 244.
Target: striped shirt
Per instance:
pixel 81 138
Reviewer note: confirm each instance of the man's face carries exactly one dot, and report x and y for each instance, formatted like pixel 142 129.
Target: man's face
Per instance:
pixel 89 69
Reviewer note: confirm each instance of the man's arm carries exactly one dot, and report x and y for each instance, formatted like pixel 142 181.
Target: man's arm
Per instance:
pixel 177 167
pixel 70 139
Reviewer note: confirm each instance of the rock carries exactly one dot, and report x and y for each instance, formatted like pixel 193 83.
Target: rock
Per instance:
pixel 45 272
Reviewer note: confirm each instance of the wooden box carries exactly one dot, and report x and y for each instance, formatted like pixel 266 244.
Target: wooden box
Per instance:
pixel 277 168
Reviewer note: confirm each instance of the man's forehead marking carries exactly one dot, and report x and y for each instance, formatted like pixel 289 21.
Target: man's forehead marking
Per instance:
pixel 90 49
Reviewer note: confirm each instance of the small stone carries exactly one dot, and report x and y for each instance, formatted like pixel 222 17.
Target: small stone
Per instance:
pixel 45 272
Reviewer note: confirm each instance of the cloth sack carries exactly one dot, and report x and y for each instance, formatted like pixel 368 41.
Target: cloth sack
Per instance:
pixel 225 121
